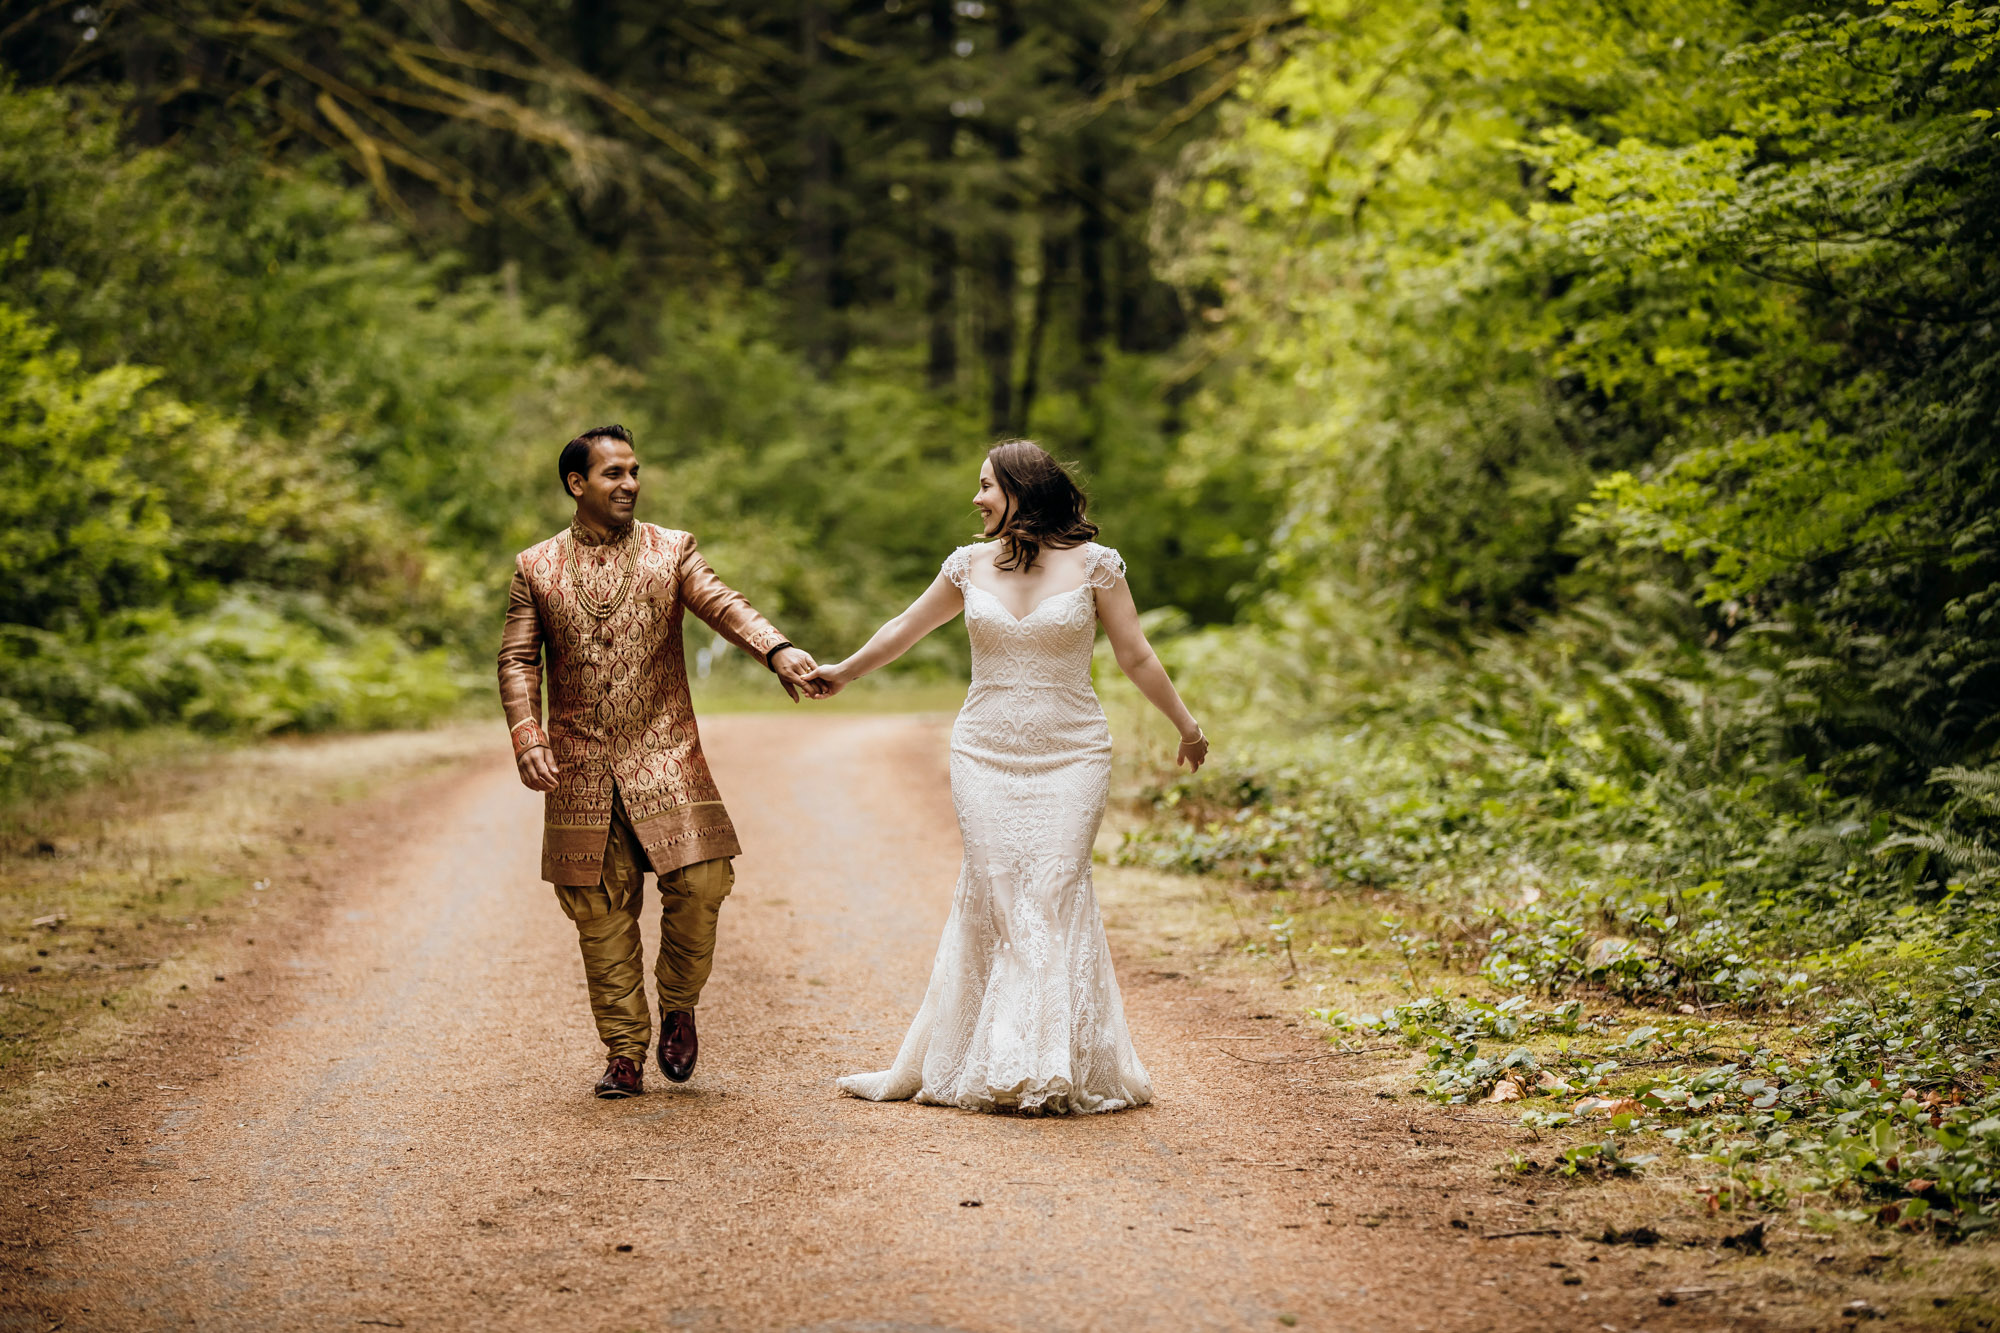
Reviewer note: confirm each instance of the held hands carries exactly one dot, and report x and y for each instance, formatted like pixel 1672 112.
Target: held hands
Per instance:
pixel 830 680
pixel 797 673
pixel 538 768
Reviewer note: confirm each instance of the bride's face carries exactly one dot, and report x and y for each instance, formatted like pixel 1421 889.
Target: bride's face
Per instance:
pixel 990 501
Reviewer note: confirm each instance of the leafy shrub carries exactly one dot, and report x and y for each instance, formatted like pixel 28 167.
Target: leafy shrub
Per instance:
pixel 35 754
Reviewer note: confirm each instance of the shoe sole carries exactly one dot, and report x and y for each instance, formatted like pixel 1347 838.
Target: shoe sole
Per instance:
pixel 614 1095
pixel 672 1077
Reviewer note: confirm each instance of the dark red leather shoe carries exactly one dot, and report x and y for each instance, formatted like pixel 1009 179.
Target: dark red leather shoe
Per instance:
pixel 678 1046
pixel 622 1078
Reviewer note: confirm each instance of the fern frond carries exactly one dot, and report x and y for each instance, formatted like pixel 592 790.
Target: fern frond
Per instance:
pixel 1980 786
pixel 1954 849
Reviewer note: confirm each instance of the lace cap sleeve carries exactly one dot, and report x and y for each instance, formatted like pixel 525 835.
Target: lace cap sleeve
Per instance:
pixel 1104 567
pixel 958 567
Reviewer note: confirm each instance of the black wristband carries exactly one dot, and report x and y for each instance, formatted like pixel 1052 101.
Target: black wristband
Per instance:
pixel 776 648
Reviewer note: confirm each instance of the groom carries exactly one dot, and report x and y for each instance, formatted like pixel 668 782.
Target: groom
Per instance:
pixel 628 788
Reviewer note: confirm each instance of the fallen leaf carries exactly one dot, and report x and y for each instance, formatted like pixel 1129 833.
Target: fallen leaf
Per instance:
pixel 1506 1090
pixel 1609 1106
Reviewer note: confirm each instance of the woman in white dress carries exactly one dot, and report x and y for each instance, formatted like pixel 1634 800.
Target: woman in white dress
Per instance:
pixel 1023 1011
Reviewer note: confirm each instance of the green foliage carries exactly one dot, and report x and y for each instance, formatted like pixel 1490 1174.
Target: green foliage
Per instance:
pixel 1452 1030
pixel 1896 1109
pixel 1751 511
pixel 272 299
pixel 256 661
pixel 78 529
pixel 963 182
pixel 126 515
pixel 1631 374
pixel 1541 304
pixel 36 753
pixel 241 489
pixel 117 496
pixel 1574 814
pixel 265 462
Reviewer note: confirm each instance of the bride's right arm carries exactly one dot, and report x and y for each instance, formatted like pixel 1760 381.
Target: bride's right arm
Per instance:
pixel 938 604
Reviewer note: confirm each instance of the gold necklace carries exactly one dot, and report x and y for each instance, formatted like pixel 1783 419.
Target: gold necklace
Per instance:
pixel 602 609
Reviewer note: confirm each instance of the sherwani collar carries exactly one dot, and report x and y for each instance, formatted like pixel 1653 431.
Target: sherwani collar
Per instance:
pixel 583 535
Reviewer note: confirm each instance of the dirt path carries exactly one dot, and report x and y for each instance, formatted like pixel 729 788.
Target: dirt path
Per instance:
pixel 398 1133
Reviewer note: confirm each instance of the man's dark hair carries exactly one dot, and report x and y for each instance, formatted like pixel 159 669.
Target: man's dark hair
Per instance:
pixel 575 455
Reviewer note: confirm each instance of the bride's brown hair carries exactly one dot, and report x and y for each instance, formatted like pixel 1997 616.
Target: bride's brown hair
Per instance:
pixel 1045 505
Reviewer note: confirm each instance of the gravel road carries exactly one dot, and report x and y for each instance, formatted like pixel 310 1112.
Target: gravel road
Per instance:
pixel 395 1130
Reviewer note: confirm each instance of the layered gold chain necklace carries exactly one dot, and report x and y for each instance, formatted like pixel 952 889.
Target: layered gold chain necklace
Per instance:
pixel 603 608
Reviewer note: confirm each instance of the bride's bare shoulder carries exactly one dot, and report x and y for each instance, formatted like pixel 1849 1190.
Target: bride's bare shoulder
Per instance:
pixel 1069 560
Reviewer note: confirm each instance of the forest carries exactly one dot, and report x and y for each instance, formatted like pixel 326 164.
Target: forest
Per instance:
pixel 1554 441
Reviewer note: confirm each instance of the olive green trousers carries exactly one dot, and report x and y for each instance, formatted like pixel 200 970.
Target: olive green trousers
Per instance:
pixel 607 927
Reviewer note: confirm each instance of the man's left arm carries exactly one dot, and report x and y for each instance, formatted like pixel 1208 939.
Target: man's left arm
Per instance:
pixel 729 613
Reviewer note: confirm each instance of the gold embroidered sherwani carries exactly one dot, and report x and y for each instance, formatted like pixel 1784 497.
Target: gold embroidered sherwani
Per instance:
pixel 619 706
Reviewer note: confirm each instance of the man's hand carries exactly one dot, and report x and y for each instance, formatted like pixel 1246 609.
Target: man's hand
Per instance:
pixel 795 668
pixel 538 768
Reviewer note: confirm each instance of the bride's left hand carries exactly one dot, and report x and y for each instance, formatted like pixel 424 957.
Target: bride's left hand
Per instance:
pixel 1193 753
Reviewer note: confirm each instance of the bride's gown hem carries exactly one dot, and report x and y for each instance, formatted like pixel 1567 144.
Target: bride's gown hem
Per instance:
pixel 1023 1011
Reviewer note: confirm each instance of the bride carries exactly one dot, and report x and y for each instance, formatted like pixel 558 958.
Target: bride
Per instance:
pixel 1023 1011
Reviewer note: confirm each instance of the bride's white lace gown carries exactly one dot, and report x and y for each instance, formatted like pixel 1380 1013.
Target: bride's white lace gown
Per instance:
pixel 1023 1011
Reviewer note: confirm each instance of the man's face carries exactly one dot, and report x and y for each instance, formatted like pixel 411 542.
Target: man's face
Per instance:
pixel 607 496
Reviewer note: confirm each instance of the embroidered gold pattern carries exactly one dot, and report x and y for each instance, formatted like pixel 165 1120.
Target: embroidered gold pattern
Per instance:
pixel 619 705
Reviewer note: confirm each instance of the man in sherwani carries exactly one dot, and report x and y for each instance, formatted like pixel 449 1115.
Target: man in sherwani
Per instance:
pixel 628 788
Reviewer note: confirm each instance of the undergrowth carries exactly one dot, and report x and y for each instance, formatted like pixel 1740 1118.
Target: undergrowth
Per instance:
pixel 1555 823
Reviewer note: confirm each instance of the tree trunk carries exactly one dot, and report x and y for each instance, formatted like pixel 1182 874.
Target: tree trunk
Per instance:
pixel 591 25
pixel 1055 259
pixel 142 71
pixel 816 259
pixel 997 338
pixel 940 242
pixel 1093 233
